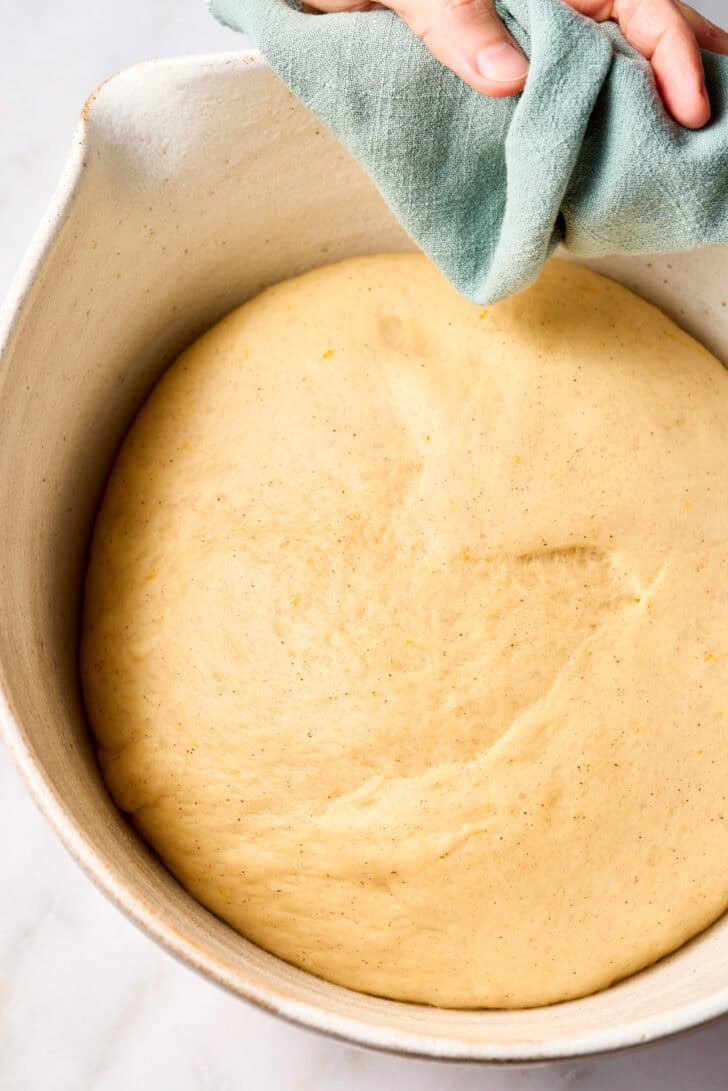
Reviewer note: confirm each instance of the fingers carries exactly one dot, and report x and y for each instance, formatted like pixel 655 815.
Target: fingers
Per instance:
pixel 669 35
pixel 659 30
pixel 468 37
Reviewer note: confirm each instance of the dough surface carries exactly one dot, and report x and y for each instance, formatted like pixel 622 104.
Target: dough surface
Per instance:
pixel 406 631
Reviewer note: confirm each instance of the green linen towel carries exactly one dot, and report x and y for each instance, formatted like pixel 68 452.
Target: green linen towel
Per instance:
pixel 586 155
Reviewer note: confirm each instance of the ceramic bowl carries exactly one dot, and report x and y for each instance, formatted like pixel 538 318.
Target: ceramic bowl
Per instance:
pixel 191 184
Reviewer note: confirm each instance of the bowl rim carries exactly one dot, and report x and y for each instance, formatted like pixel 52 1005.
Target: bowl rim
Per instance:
pixel 622 1035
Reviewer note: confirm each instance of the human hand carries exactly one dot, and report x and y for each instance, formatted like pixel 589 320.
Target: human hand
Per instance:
pixel 468 37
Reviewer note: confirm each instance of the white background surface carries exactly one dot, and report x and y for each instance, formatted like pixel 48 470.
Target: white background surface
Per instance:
pixel 87 1003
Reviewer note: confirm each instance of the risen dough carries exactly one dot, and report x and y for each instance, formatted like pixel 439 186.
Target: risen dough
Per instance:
pixel 406 631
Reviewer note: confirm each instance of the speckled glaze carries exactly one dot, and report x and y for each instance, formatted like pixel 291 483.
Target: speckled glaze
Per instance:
pixel 191 184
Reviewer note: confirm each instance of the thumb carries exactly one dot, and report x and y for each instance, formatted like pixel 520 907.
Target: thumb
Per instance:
pixel 468 37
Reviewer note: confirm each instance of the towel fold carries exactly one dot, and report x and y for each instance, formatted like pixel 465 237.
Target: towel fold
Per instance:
pixel 586 155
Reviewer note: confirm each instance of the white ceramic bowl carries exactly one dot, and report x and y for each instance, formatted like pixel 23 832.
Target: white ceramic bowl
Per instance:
pixel 191 184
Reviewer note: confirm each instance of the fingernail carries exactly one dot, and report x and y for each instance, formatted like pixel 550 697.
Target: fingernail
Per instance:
pixel 502 63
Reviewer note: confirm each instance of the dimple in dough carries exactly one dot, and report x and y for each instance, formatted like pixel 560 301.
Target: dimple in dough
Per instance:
pixel 406 631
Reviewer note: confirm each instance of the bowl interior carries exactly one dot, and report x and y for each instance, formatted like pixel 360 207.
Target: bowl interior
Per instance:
pixel 193 183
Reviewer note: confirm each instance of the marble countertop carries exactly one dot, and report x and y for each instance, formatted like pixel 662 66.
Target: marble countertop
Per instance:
pixel 88 1003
